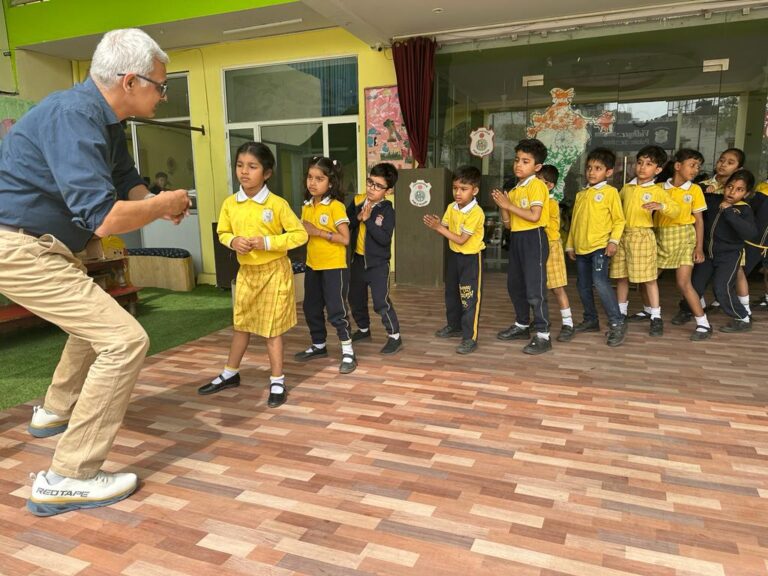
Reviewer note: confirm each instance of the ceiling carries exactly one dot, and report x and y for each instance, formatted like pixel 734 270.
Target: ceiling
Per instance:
pixel 378 23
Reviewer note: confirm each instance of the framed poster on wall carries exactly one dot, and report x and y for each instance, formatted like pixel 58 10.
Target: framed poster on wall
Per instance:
pixel 386 137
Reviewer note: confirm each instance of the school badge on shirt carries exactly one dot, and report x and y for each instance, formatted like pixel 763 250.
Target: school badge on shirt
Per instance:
pixel 267 216
pixel 647 197
pixel 379 220
pixel 324 219
pixel 523 202
pixel 598 197
pixel 687 198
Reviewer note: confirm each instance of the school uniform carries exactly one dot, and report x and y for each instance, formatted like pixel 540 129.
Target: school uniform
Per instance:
pixel 725 232
pixel 326 278
pixel 264 291
pixel 463 268
pixel 528 254
pixel 556 273
pixel 371 243
pixel 676 237
pixel 756 251
pixel 636 257
pixel 597 220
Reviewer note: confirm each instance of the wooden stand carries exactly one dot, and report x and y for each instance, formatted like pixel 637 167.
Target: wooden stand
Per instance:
pixel 162 272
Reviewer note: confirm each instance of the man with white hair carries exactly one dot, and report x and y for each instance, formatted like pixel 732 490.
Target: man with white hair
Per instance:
pixel 65 179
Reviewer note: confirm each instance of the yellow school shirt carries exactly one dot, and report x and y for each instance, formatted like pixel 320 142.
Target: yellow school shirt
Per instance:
pixel 470 220
pixel 762 188
pixel 691 200
pixel 553 224
pixel 530 192
pixel 634 195
pixel 597 219
pixel 326 215
pixel 360 245
pixel 265 214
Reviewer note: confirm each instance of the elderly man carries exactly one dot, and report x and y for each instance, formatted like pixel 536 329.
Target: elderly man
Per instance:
pixel 66 178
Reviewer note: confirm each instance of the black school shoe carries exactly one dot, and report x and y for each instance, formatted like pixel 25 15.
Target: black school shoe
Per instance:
pixel 701 333
pixel 566 334
pixel 467 346
pixel 448 332
pixel 587 326
pixel 277 398
pixel 361 335
pixel 538 345
pixel 514 332
pixel 392 345
pixel 312 352
pixel 349 366
pixel 657 327
pixel 682 317
pixel 617 333
pixel 640 317
pixel 211 388
pixel 736 325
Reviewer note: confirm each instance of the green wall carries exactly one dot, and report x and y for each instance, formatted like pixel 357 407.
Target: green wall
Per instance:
pixel 59 19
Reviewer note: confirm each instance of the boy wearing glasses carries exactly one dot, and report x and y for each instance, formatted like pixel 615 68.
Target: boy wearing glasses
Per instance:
pixel 371 223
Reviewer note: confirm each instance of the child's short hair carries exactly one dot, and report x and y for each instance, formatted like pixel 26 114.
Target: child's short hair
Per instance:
pixel 550 173
pixel 746 176
pixel 387 171
pixel 161 175
pixel 332 169
pixel 534 147
pixel 654 153
pixel 467 175
pixel 605 156
pixel 688 154
pixel 738 152
pixel 260 151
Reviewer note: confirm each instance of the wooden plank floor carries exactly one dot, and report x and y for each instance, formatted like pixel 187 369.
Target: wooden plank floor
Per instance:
pixel 588 461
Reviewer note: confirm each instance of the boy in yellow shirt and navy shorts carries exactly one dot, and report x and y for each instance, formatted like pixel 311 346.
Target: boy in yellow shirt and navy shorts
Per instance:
pixel 636 259
pixel 463 224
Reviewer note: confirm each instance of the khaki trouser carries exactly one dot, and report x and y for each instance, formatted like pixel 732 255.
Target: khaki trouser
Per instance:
pixel 103 355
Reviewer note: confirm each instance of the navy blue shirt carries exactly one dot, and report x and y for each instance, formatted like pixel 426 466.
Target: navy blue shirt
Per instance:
pixel 63 165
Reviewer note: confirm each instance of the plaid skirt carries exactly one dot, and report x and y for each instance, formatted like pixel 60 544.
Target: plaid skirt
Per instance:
pixel 264 299
pixel 675 246
pixel 556 274
pixel 636 256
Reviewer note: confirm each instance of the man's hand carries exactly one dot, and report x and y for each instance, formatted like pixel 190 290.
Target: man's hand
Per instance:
pixel 432 221
pixel 610 250
pixel 241 245
pixel 178 204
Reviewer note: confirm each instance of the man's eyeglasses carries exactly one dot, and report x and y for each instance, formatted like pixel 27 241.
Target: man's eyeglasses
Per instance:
pixel 162 87
pixel 375 185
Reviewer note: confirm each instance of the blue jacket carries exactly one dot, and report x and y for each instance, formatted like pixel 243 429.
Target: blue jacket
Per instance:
pixel 378 232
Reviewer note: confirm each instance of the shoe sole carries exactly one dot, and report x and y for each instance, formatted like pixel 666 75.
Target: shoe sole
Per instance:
pixel 466 351
pixel 565 339
pixel 48 509
pixel 48 431
pixel 453 335
pixel 585 330
pixel 280 403
pixel 361 338
pixel 308 358
pixel 515 337
pixel 390 352
pixel 347 370
pixel 537 351
pixel 217 389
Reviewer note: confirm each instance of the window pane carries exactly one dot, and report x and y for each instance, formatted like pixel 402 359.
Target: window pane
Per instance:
pixel 301 90
pixel 177 105
pixel 342 144
pixel 236 139
pixel 166 150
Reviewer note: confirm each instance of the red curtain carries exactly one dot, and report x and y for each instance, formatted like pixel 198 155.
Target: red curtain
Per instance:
pixel 414 66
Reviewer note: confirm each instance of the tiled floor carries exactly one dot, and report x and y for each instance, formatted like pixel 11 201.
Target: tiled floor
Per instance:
pixel 588 461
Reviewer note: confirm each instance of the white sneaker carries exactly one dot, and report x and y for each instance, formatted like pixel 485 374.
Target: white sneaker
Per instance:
pixel 45 424
pixel 73 494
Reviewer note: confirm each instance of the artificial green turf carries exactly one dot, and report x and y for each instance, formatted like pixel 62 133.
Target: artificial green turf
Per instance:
pixel 29 356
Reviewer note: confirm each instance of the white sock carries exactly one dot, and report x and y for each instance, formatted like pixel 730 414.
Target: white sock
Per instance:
pixel 53 478
pixel 318 346
pixel 567 318
pixel 702 321
pixel 703 302
pixel 715 304
pixel 364 330
pixel 648 310
pixel 226 373
pixel 744 319
pixel 346 347
pixel 745 302
pixel 521 325
pixel 654 312
pixel 766 296
pixel 623 307
pixel 544 335
pixel 277 384
pixel 395 336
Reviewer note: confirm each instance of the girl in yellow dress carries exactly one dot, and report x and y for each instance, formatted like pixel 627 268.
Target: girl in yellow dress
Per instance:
pixel 261 228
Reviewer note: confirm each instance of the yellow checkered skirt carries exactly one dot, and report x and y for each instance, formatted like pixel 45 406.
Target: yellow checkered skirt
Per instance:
pixel 264 298
pixel 636 256
pixel 675 246
pixel 556 274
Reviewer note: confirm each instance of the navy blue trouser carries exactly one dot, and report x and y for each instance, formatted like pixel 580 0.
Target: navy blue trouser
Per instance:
pixel 463 288
pixel 721 270
pixel 326 289
pixel 377 278
pixel 527 277
pixel 592 270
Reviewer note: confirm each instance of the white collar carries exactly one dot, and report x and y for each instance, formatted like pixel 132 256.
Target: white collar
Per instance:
pixel 526 181
pixel 325 201
pixel 668 184
pixel 259 198
pixel 466 208
pixel 598 185
pixel 646 185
